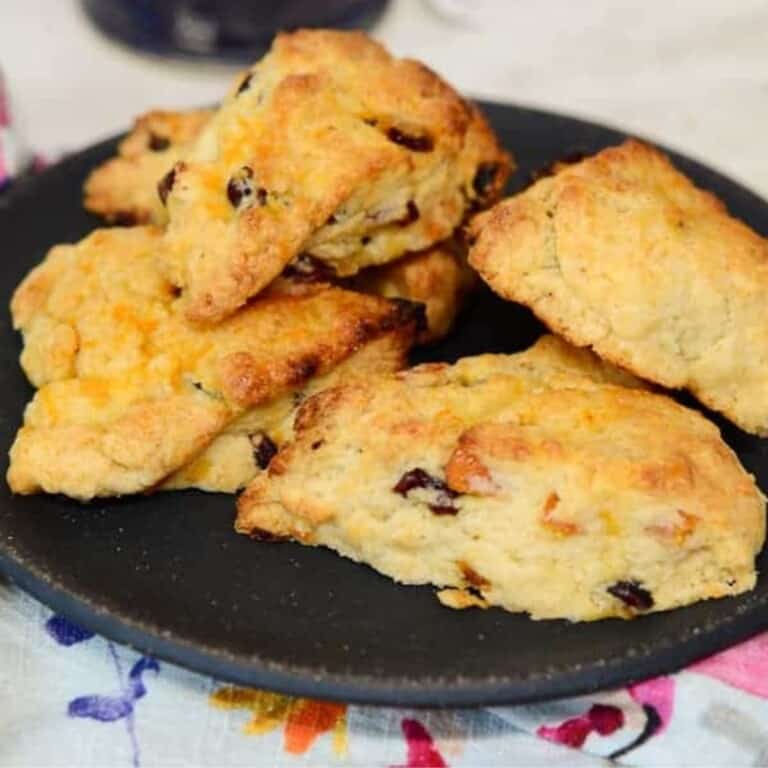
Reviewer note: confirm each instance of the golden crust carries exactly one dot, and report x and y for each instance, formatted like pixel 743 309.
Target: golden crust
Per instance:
pixel 622 253
pixel 439 278
pixel 331 147
pixel 523 481
pixel 123 189
pixel 137 392
pixel 230 462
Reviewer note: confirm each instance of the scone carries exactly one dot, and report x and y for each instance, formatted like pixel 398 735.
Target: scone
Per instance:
pixel 622 253
pixel 439 278
pixel 330 147
pixel 130 392
pixel 123 189
pixel 526 481
pixel 248 444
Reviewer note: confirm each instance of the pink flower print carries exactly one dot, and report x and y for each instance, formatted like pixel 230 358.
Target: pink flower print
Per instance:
pixel 422 751
pixel 745 666
pixel 601 719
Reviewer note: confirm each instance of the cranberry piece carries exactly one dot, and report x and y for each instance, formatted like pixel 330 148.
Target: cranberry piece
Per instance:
pixel 259 534
pixel 165 185
pixel 245 84
pixel 632 594
pixel 413 478
pixel 421 143
pixel 420 478
pixel 411 214
pixel 263 449
pixel 124 218
pixel 158 143
pixel 307 269
pixel 240 187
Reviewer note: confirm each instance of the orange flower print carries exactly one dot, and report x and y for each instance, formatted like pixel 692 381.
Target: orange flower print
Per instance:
pixel 302 720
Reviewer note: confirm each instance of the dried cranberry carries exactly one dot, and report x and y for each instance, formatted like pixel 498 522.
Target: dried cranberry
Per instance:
pixel 413 478
pixel 420 478
pixel 245 84
pixel 307 269
pixel 165 185
pixel 240 188
pixel 632 594
pixel 259 534
pixel 411 214
pixel 485 176
pixel 124 218
pixel 263 449
pixel 158 143
pixel 421 143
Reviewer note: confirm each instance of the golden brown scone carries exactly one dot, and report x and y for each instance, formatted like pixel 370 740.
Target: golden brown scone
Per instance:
pixel 124 188
pixel 523 481
pixel 246 446
pixel 327 146
pixel 439 278
pixel 130 392
pixel 622 253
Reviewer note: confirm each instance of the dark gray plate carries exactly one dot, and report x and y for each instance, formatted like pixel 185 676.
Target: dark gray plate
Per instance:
pixel 167 574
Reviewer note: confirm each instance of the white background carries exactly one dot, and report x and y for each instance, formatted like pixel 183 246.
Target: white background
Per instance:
pixel 690 73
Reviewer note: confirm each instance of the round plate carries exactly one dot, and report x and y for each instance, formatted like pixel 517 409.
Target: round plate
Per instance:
pixel 167 574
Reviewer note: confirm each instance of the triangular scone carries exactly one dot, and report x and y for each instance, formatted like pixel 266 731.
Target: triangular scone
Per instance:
pixel 327 146
pixel 622 253
pixel 123 189
pixel 130 392
pixel 247 445
pixel 523 481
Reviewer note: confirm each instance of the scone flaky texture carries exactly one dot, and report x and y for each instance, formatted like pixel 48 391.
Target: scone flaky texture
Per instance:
pixel 328 146
pixel 438 277
pixel 130 392
pixel 123 189
pixel 524 481
pixel 622 253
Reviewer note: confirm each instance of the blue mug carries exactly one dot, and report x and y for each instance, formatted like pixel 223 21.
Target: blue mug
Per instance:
pixel 234 30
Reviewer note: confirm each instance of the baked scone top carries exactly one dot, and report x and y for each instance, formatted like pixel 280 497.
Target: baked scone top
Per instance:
pixel 330 146
pixel 528 480
pixel 124 188
pixel 137 390
pixel 621 252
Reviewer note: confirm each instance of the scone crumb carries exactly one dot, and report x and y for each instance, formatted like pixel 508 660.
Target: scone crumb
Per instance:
pixel 460 599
